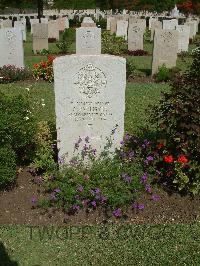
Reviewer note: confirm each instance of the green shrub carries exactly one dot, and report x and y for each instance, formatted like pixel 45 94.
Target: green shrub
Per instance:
pixel 44 158
pixel 68 37
pixel 112 44
pixel 16 125
pixel 130 68
pixel 10 73
pixel 7 166
pixel 165 74
pixel 178 120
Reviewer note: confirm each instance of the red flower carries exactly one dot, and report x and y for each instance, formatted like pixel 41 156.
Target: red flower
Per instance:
pixel 160 145
pixel 169 159
pixel 182 159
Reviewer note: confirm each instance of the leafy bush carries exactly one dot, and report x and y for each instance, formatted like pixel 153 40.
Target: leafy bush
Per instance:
pixel 102 23
pixel 178 120
pixel 130 68
pixel 44 52
pixel 10 73
pixel 147 35
pixel 7 166
pixel 44 158
pixel 112 183
pixel 44 70
pixel 166 74
pixel 68 37
pixel 17 125
pixel 112 44
pixel 137 53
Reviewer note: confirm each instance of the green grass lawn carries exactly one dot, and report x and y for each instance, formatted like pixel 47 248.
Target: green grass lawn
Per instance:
pixel 111 245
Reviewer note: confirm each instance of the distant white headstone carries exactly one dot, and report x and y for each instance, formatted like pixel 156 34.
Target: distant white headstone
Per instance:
pixel 40 37
pixel 53 29
pixel 11 47
pixel 183 37
pixel 88 40
pixel 22 26
pixel 122 28
pixel 165 49
pixel 135 37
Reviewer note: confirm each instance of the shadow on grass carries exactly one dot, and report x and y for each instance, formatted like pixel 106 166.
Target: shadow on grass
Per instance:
pixel 146 71
pixel 4 258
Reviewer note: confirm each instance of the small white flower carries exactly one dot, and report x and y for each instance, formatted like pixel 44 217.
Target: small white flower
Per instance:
pixel 42 100
pixel 26 118
pixel 43 104
pixel 27 89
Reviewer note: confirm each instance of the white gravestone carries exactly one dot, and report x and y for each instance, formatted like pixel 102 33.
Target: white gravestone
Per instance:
pixel 88 40
pixel 192 25
pixel 165 49
pixel 7 23
pixel 44 20
pixel 88 22
pixel 33 21
pixel 53 29
pixel 90 100
pixel 170 24
pixel 155 25
pixel 11 47
pixel 22 26
pixel 122 28
pixel 183 37
pixel 135 37
pixel 40 37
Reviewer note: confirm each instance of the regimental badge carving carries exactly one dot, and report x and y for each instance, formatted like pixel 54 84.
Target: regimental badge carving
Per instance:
pixel 10 35
pixel 90 81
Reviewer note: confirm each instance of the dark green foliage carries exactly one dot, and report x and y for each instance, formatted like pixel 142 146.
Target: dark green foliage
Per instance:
pixel 7 166
pixel 112 44
pixel 68 37
pixel 16 125
pixel 11 73
pixel 178 120
pixel 166 74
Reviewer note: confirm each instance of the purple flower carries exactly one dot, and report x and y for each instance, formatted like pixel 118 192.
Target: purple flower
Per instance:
pixel 117 213
pixel 138 206
pixel 103 199
pixel 73 162
pixel 127 178
pixel 148 188
pixel 143 179
pixel 57 190
pixel 127 137
pixel 33 200
pixel 149 159
pixel 94 204
pixel 52 196
pixel 122 142
pixel 86 177
pixel 60 160
pixel 131 154
pixel 85 202
pixel 76 207
pixel 85 147
pixel 80 188
pixel 97 190
pixel 145 144
pixel 87 139
pixel 155 197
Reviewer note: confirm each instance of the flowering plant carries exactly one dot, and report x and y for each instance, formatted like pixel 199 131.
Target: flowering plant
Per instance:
pixel 11 73
pixel 44 70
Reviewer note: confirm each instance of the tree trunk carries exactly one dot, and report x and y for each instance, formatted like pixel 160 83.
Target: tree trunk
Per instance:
pixel 40 6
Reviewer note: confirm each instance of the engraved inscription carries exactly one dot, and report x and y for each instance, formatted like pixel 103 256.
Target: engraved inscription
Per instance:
pixel 90 111
pixel 90 81
pixel 88 40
